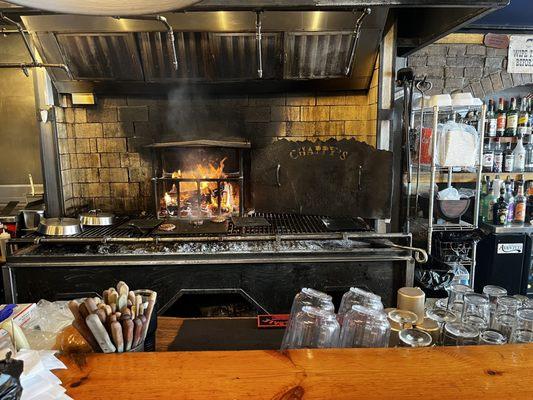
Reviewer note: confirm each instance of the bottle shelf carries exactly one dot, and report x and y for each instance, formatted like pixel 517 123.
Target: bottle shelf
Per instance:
pixel 466 177
pixel 505 139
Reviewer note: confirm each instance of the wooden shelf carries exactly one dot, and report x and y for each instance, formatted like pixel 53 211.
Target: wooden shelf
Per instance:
pixel 466 177
pixel 505 139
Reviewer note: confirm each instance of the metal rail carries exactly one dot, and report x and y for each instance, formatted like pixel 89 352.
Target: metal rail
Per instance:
pixel 170 34
pixel 34 62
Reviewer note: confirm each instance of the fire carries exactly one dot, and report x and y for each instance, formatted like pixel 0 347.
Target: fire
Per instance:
pixel 202 201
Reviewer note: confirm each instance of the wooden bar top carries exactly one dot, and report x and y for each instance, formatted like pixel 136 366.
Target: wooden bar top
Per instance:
pixel 462 373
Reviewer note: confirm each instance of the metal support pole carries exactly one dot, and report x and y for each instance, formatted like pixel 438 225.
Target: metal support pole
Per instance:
pixel 433 172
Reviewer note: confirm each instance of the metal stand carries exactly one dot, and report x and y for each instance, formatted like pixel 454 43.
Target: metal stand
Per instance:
pixel 451 227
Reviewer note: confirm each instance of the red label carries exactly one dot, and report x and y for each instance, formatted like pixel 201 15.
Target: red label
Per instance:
pixel 500 124
pixel 425 148
pixel 272 320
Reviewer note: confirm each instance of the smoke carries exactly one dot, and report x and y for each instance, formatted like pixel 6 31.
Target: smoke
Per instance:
pixel 195 113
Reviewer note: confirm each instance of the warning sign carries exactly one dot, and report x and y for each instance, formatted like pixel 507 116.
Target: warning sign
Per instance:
pixel 520 58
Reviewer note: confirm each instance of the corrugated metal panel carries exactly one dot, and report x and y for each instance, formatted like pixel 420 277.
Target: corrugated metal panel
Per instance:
pixel 192 50
pixel 235 55
pixel 103 56
pixel 316 55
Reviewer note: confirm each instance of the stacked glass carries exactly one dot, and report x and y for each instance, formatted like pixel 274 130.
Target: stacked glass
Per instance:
pixel 523 328
pixel 356 296
pixel 476 310
pixel 306 297
pixel 505 315
pixel 494 293
pixel 312 328
pixel 364 327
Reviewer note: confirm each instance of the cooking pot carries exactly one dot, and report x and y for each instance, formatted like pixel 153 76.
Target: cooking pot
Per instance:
pixel 96 218
pixel 59 226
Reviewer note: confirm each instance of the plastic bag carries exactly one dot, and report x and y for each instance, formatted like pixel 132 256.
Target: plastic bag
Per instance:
pixel 460 274
pixel 449 193
pixel 10 371
pixel 456 145
pixel 47 322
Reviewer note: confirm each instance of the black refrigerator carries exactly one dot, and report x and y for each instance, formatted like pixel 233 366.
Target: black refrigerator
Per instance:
pixel 504 259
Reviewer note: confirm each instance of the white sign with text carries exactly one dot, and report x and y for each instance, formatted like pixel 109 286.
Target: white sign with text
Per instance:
pixel 520 60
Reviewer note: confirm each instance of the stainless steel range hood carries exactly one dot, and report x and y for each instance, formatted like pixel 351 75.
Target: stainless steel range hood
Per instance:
pixel 300 41
pixel 211 47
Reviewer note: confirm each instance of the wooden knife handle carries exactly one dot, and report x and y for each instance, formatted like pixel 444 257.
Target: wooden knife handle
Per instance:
pixel 100 334
pixel 137 332
pixel 74 308
pixel 116 333
pixel 127 331
pixel 86 333
pixel 91 305
pixel 101 314
pixel 82 308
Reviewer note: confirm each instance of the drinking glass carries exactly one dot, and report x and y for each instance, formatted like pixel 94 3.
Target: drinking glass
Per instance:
pixel 456 294
pixel 492 337
pixel 505 315
pixel 307 297
pixel 442 303
pixel 431 327
pixel 356 296
pixel 460 334
pixel 413 337
pixel 403 317
pixel 312 328
pixel 523 329
pixel 365 327
pixel 311 297
pixel 442 317
pixel 476 310
pixel 494 292
pixel 525 302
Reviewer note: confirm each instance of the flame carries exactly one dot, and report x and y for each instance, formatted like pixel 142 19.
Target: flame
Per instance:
pixel 209 191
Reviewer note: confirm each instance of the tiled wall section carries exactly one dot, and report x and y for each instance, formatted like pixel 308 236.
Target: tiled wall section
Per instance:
pixel 105 165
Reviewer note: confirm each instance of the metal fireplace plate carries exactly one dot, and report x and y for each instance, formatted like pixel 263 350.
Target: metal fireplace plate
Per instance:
pixel 249 222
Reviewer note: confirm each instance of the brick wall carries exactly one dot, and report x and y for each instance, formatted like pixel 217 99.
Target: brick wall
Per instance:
pixel 470 67
pixel 104 163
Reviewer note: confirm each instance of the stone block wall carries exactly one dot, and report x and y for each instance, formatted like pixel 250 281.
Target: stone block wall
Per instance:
pixel 104 162
pixel 469 67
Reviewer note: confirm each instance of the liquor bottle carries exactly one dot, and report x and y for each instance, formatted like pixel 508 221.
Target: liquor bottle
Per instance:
pixel 529 206
pixel 523 118
pixel 512 119
pixel 490 120
pixel 498 156
pixel 499 210
pixel 519 153
pixel 488 158
pixel 508 159
pixel 488 204
pixel 509 199
pixel 500 119
pixel 529 156
pixel 520 207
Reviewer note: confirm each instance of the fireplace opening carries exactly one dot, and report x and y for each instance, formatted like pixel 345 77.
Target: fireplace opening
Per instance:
pixel 198 180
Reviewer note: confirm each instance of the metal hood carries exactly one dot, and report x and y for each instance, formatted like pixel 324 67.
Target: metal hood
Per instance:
pixel 328 43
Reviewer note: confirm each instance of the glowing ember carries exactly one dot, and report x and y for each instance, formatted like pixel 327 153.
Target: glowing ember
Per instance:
pixel 193 197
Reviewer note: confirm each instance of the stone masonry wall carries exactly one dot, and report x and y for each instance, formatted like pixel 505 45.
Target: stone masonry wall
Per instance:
pixel 469 67
pixel 105 165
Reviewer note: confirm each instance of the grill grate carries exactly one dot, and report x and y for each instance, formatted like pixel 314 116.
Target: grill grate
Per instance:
pixel 280 224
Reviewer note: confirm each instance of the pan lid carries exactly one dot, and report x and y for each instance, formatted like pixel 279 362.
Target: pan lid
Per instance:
pixel 97 213
pixel 60 222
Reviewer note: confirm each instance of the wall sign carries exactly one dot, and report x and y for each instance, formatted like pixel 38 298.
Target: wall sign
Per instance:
pixel 520 60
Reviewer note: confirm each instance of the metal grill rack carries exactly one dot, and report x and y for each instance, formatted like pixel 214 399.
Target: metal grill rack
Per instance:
pixel 287 225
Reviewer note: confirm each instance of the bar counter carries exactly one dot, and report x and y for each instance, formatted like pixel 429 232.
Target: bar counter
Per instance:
pixel 476 372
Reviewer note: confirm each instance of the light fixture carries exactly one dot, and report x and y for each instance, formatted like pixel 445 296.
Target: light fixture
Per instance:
pixel 106 7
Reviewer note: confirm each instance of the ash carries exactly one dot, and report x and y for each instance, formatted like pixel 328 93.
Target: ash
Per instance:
pixel 183 248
